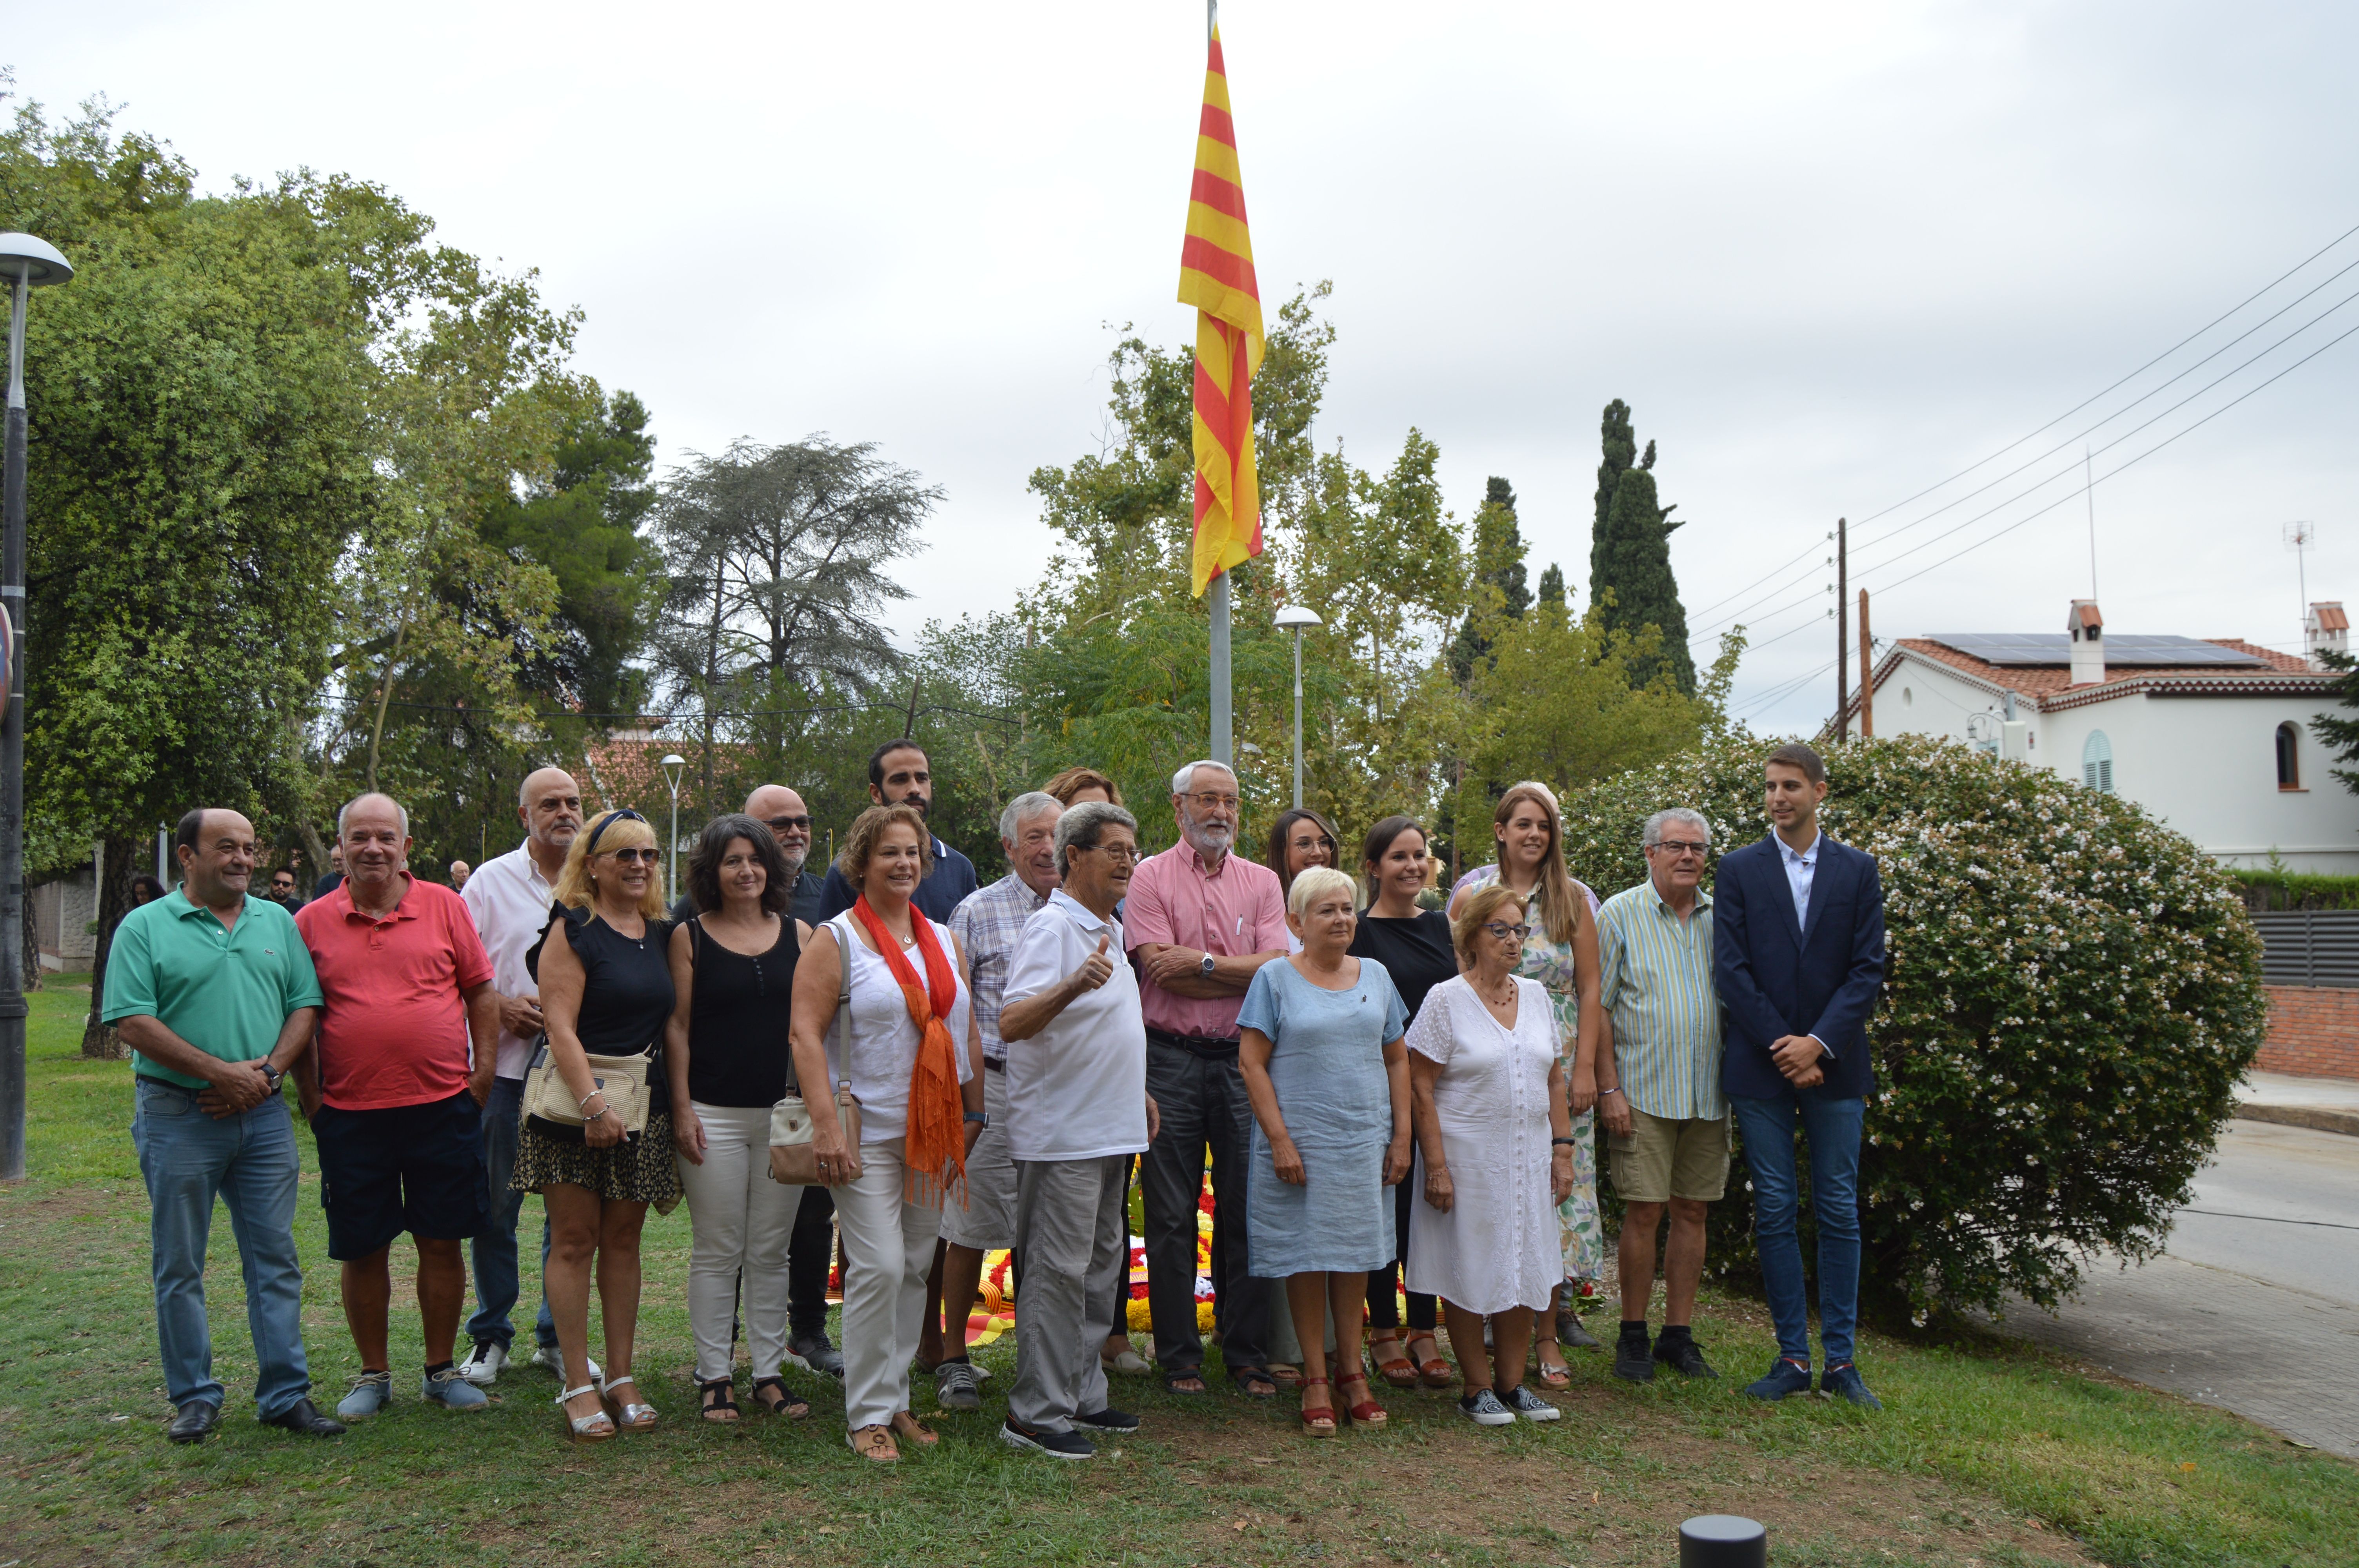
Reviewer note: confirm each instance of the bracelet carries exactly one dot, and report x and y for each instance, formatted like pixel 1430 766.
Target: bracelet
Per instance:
pixel 1615 1090
pixel 1566 1142
pixel 585 1100
pixel 981 1115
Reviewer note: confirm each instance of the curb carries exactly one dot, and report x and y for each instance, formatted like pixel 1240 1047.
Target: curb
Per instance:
pixel 2321 1119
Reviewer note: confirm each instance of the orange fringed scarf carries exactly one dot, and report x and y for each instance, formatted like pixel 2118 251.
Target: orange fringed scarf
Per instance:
pixel 937 1131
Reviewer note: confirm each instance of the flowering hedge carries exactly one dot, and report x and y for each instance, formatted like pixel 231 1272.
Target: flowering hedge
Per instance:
pixel 2073 991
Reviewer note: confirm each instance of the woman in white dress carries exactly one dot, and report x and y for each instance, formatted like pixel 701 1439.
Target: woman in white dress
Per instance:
pixel 1494 1155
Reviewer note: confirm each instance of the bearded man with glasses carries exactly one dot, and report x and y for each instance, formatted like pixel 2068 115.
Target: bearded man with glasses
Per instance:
pixel 1198 923
pixel 782 811
pixel 1659 1088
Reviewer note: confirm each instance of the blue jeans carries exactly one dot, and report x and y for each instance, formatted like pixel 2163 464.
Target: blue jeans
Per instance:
pixel 1833 1128
pixel 494 1245
pixel 250 1161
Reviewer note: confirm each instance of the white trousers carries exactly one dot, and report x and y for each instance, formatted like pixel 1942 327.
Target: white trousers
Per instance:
pixel 888 1250
pixel 741 1222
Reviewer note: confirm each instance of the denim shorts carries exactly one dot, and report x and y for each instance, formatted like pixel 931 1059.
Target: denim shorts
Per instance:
pixel 415 1168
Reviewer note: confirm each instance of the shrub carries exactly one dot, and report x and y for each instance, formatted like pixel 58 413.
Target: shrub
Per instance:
pixel 2072 992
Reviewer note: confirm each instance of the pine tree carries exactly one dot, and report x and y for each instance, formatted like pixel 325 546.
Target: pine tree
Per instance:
pixel 1631 583
pixel 1552 586
pixel 1498 565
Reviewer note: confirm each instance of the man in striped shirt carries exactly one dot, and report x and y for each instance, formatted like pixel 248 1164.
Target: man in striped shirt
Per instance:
pixel 1659 1085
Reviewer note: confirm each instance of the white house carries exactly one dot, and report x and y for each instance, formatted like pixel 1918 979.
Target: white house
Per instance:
pixel 2211 735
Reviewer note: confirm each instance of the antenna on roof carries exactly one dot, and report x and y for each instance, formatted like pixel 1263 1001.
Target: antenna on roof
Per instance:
pixel 2298 538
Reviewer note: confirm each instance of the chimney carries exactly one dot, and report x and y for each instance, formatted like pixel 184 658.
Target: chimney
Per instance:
pixel 2088 632
pixel 2325 630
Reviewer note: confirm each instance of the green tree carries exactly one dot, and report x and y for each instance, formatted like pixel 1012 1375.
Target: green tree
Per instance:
pixel 2339 734
pixel 1500 586
pixel 1630 554
pixel 1552 590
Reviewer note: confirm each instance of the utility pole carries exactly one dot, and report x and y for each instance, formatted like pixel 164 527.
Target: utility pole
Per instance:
pixel 1842 624
pixel 1866 672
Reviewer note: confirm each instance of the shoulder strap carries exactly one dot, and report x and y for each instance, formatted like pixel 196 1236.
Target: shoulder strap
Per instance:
pixel 840 1063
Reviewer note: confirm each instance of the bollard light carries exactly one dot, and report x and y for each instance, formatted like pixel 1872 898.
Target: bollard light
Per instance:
pixel 1723 1541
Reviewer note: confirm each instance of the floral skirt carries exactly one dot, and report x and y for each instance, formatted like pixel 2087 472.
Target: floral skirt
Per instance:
pixel 637 1169
pixel 1578 1227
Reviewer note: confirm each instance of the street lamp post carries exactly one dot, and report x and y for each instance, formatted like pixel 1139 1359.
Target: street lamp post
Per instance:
pixel 1294 618
pixel 673 765
pixel 29 264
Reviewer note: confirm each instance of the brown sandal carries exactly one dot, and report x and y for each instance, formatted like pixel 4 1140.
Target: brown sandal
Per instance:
pixel 908 1426
pixel 875 1444
pixel 1433 1371
pixel 1317 1422
pixel 1364 1411
pixel 1397 1368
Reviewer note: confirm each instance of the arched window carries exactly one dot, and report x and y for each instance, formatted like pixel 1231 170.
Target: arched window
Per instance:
pixel 2097 762
pixel 2289 757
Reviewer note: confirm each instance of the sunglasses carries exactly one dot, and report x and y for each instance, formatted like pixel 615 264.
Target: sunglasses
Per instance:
pixel 789 824
pixel 649 856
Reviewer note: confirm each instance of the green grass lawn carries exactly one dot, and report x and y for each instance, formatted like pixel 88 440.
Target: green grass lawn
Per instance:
pixel 1986 1455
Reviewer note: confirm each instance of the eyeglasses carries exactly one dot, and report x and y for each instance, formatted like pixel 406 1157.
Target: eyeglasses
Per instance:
pixel 788 824
pixel 1121 854
pixel 1323 841
pixel 1214 802
pixel 1501 929
pixel 1683 847
pixel 650 855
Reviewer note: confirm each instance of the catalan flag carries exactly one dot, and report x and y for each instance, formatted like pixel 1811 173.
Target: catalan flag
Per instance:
pixel 1216 276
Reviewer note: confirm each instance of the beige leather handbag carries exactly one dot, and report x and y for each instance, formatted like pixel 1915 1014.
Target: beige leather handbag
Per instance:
pixel 621 1079
pixel 794 1158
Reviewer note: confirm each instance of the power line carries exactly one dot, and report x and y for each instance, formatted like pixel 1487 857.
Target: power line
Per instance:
pixel 2126 379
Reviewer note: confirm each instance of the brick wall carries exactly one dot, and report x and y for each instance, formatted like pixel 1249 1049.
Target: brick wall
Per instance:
pixel 2314 1032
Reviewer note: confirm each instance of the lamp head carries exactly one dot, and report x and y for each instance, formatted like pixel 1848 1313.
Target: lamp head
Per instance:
pixel 672 764
pixel 37 260
pixel 1296 617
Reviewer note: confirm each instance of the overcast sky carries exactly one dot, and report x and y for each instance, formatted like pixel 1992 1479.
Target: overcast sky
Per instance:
pixel 1831 254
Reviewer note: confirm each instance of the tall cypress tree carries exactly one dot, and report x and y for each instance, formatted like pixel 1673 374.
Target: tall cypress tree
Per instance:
pixel 1630 553
pixel 1498 564
pixel 1552 585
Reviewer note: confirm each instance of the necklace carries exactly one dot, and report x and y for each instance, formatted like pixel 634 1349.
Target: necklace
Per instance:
pixel 1505 996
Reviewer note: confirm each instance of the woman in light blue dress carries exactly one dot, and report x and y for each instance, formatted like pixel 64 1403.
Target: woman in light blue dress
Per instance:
pixel 1320 1047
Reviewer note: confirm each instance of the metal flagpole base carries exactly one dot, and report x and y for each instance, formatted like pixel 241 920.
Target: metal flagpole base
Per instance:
pixel 1723 1541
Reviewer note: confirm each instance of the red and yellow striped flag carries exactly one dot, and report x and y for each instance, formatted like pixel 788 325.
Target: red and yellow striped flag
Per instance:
pixel 1216 276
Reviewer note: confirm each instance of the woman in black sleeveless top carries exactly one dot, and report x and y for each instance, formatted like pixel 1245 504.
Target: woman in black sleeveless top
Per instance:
pixel 606 989
pixel 1414 946
pixel 732 971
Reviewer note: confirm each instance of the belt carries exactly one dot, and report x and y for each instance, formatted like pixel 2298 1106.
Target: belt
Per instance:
pixel 1194 1044
pixel 994 1064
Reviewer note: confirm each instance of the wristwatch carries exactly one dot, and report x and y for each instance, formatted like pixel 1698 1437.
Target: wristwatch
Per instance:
pixel 981 1116
pixel 274 1075
pixel 1205 968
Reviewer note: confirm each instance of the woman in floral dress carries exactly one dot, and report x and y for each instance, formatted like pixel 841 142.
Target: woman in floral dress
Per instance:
pixel 1561 954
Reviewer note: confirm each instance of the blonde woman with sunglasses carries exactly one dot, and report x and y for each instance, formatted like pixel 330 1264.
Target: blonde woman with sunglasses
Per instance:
pixel 606 989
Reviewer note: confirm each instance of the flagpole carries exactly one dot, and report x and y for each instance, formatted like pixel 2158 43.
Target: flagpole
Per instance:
pixel 1220 751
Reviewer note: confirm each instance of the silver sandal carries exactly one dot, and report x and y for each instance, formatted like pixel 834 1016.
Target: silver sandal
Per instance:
pixel 635 1417
pixel 596 1427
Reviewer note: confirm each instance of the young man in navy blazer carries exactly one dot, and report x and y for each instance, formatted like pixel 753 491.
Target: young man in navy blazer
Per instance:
pixel 1798 956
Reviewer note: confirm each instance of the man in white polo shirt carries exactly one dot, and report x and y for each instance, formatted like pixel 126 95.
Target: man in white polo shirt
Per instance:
pixel 1077 1109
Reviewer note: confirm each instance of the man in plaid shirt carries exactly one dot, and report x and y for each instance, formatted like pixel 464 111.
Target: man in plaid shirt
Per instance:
pixel 986 925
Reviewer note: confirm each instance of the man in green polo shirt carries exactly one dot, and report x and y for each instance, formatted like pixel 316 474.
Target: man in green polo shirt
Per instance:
pixel 216 996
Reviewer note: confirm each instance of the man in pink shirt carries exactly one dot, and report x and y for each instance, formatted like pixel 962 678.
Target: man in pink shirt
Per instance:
pixel 1199 922
pixel 394 1093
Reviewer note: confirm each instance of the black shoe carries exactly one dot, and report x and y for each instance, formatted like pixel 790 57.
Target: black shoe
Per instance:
pixel 1109 1420
pixel 195 1422
pixel 1683 1355
pixel 304 1417
pixel 1631 1361
pixel 1055 1444
pixel 1570 1336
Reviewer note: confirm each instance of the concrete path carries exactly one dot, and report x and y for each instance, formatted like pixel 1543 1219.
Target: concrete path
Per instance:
pixel 2330 1104
pixel 2254 1306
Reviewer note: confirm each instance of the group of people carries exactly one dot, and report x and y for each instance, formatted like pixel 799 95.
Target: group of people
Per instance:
pixel 984 1067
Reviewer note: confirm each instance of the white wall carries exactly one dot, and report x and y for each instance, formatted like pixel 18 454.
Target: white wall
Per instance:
pixel 2207 765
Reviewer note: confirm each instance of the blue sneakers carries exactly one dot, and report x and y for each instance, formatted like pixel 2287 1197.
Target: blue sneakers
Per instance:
pixel 1844 1382
pixel 1786 1377
pixel 372 1391
pixel 449 1387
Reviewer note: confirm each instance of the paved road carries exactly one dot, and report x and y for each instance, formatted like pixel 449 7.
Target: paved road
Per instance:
pixel 2254 1306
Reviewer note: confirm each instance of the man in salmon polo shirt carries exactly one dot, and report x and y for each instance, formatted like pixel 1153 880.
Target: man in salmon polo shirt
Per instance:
pixel 395 1094
pixel 1199 922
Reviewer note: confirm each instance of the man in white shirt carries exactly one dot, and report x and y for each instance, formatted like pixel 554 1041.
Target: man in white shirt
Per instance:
pixel 509 896
pixel 1077 1109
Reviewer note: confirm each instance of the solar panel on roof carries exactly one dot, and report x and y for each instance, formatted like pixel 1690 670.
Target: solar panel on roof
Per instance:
pixel 2032 648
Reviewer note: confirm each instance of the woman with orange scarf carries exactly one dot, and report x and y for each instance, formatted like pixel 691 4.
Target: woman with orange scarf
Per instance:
pixel 909 1058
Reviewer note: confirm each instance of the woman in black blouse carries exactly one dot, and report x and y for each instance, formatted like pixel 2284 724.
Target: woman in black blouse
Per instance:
pixel 1413 944
pixel 726 1052
pixel 606 990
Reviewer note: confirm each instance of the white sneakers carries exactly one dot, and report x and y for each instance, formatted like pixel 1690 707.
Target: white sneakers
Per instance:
pixel 482 1367
pixel 550 1358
